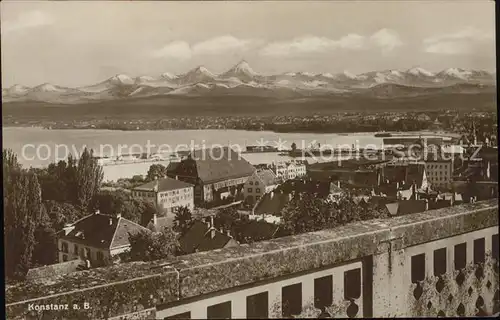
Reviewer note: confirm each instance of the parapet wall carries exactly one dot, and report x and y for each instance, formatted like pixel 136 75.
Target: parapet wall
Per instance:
pixel 141 289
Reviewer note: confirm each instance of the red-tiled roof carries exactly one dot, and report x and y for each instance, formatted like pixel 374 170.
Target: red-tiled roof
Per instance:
pixel 165 184
pixel 103 231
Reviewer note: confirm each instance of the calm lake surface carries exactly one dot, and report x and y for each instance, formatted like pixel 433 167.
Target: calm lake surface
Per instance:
pixel 38 147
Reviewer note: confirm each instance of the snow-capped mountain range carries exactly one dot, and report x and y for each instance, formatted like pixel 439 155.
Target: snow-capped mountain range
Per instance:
pixel 241 79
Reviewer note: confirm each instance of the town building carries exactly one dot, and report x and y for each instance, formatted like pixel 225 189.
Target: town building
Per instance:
pixel 289 170
pixel 439 173
pixel 205 237
pixel 96 238
pixel 261 182
pixel 215 173
pixel 167 194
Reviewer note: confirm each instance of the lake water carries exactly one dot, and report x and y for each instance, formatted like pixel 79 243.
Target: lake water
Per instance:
pixel 38 147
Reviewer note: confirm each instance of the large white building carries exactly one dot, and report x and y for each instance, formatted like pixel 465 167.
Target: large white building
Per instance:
pixel 289 170
pixel 96 238
pixel 167 194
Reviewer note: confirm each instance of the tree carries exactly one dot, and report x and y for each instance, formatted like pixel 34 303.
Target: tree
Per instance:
pixel 226 218
pixel 120 202
pixel 183 220
pixel 150 246
pixel 23 213
pixel 294 147
pixel 61 213
pixel 156 171
pixel 89 175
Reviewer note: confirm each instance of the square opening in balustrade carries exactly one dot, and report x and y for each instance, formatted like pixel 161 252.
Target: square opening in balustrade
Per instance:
pixel 479 251
pixel 219 311
pixel 460 256
pixel 258 306
pixel 418 268
pixel 352 284
pixel 439 262
pixel 323 292
pixel 291 300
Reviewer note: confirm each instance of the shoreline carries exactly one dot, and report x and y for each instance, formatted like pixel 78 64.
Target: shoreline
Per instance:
pixel 339 133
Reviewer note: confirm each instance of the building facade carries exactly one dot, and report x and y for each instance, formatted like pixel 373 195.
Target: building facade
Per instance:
pixel 96 238
pixel 260 183
pixel 289 170
pixel 216 174
pixel 439 173
pixel 167 194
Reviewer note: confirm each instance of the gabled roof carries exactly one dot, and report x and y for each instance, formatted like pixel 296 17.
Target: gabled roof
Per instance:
pixel 406 207
pixel 103 231
pixel 218 164
pixel 164 184
pixel 267 177
pixel 198 238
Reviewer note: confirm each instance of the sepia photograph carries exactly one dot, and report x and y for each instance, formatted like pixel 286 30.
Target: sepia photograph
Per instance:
pixel 249 159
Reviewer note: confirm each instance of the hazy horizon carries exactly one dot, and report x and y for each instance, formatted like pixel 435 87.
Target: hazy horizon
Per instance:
pixel 81 43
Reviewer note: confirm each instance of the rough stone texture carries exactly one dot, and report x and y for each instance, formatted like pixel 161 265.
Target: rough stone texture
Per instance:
pixel 470 293
pixel 106 299
pixel 132 287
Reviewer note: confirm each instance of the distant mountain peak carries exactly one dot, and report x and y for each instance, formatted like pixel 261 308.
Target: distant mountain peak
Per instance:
pixel 121 79
pixel 46 87
pixel 417 71
pixel 168 75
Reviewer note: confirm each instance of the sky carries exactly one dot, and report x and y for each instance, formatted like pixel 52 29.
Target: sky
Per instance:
pixel 80 43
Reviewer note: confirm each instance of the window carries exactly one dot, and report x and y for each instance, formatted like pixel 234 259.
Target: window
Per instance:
pixel 460 256
pixel 323 292
pixel 479 251
pixel 257 190
pixel 100 256
pixel 249 189
pixel 291 303
pixel 352 284
pixel 185 315
pixel 418 268
pixel 64 247
pixel 257 306
pixel 251 183
pixel 219 311
pixel 65 257
pixel 439 262
pixel 256 183
pixel 75 249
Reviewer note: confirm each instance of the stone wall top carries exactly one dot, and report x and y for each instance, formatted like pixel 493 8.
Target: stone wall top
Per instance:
pixel 162 282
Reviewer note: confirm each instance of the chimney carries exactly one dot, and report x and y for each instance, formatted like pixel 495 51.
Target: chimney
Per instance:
pixel 221 230
pixel 176 177
pixel 426 204
pixel 211 221
pixel 97 211
pixel 397 185
pixel 155 219
pixel 87 264
pixel 110 221
pixel 118 215
pixel 212 233
pixel 272 194
pixel 338 183
pixel 228 233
